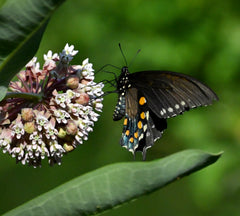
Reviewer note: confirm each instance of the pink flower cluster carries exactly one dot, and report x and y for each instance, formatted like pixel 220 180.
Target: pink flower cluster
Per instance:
pixel 49 112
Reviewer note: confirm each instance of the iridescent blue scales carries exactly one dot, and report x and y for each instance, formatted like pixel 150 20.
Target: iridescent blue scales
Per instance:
pixel 146 99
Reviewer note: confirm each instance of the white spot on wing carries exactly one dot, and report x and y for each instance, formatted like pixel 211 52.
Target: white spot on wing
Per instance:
pixel 183 103
pixel 135 147
pixel 144 128
pixel 170 109
pixel 177 106
pixel 147 115
pixel 141 136
pixel 131 150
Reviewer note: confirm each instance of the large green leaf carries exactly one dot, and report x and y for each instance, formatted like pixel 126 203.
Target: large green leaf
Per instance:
pixel 22 24
pixel 113 185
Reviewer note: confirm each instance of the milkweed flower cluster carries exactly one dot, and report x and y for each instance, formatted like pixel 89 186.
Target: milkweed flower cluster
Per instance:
pixel 49 112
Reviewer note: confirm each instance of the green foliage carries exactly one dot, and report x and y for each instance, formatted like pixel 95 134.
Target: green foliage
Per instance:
pixel 115 184
pixel 22 24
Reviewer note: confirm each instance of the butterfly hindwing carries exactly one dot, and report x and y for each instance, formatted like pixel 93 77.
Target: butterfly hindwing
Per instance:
pixel 133 125
pixel 141 126
pixel 155 128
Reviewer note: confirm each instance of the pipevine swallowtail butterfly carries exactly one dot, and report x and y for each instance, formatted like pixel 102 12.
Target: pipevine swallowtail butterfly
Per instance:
pixel 146 99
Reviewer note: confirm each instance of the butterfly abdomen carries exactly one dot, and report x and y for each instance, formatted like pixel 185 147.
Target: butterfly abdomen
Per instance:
pixel 119 110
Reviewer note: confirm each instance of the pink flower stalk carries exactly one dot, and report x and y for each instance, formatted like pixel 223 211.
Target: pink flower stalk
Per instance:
pixel 49 112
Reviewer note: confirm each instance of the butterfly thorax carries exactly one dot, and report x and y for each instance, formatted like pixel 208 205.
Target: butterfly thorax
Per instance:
pixel 123 85
pixel 123 81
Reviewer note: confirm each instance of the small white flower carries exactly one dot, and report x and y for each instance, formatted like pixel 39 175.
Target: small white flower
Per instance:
pixel 67 54
pixel 18 130
pixel 78 139
pixel 49 56
pixel 94 116
pixel 97 104
pixel 85 88
pixel 18 151
pixel 36 139
pixel 71 94
pixel 56 151
pixel 31 63
pixel 87 70
pixel 44 151
pixel 69 50
pixel 50 60
pixel 37 67
pixel 61 116
pixel 62 100
pixel 41 122
pixel 51 132
pixel 76 109
pixel 97 89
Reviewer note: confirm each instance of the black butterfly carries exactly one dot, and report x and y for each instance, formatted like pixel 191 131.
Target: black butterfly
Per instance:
pixel 147 98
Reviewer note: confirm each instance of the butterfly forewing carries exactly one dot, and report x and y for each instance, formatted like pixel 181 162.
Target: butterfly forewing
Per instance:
pixel 170 93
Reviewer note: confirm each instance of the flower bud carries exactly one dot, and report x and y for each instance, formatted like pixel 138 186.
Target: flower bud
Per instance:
pixel 62 133
pixel 71 128
pixel 84 81
pixel 82 99
pixel 29 127
pixel 27 114
pixel 68 147
pixel 72 82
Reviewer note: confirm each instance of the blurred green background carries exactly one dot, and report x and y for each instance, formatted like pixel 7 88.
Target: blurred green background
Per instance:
pixel 199 38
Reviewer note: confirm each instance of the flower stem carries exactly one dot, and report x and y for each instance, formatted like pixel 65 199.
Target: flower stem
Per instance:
pixel 28 96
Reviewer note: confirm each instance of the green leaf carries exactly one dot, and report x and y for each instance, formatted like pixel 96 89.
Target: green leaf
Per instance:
pixel 115 184
pixel 22 24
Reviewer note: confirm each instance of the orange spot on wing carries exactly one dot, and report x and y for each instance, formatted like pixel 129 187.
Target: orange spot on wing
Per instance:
pixel 136 135
pixel 142 115
pixel 142 100
pixel 131 139
pixel 125 121
pixel 140 125
pixel 127 132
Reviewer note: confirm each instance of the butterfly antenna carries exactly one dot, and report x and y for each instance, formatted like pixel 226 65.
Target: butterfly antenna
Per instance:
pixel 134 57
pixel 120 47
pixel 107 65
